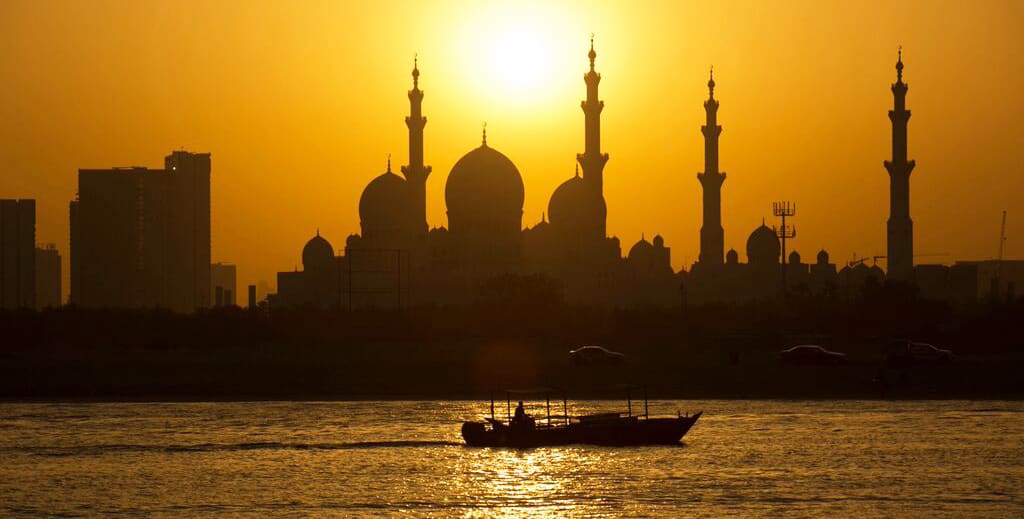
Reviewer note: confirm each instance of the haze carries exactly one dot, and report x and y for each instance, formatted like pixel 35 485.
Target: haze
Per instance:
pixel 300 104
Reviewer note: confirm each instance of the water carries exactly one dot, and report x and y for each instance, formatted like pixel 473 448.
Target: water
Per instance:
pixel 378 459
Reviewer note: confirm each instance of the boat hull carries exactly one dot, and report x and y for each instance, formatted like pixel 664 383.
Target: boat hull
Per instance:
pixel 617 433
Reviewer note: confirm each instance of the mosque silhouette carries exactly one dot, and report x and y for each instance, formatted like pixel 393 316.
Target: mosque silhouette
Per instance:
pixel 397 260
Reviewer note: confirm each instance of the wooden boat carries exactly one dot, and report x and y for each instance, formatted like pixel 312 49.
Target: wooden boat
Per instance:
pixel 609 429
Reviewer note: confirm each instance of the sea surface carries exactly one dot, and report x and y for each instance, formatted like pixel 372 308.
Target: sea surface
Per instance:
pixel 382 459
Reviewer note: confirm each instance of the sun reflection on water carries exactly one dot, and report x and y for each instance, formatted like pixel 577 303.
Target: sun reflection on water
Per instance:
pixel 521 483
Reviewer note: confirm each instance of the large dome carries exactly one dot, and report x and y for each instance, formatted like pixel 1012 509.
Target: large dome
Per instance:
pixel 483 183
pixel 317 253
pixel 763 246
pixel 641 250
pixel 385 203
pixel 577 209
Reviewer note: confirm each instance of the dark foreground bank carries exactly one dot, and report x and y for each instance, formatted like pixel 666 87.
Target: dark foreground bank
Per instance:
pixel 468 352
pixel 391 370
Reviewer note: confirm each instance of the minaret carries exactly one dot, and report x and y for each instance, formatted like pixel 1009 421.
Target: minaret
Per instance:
pixel 712 239
pixel 592 160
pixel 900 226
pixel 416 173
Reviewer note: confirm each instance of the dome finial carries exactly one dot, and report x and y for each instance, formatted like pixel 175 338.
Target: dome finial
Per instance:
pixel 389 163
pixel 416 70
pixel 485 133
pixel 592 54
pixel 543 217
pixel 577 170
pixel 711 82
pixel 318 232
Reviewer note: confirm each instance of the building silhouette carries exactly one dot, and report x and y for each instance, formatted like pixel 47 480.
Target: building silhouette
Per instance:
pixel 48 277
pixel 900 231
pixel 397 259
pixel 140 237
pixel 17 254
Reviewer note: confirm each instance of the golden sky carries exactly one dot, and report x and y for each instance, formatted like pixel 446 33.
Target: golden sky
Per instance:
pixel 300 103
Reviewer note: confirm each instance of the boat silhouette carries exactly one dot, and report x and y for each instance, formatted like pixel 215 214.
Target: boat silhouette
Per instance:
pixel 607 429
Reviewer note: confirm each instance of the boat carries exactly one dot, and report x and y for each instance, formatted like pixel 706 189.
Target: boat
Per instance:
pixel 606 429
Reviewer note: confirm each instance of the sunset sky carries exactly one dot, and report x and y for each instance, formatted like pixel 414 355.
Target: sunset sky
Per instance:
pixel 300 103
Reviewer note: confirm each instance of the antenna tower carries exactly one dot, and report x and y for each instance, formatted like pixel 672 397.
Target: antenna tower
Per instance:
pixel 786 232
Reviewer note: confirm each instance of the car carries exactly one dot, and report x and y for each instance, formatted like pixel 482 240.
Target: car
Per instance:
pixel 595 356
pixel 811 355
pixel 909 353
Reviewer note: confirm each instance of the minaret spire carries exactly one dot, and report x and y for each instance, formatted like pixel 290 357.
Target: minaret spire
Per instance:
pixel 712 236
pixel 711 83
pixel 900 227
pixel 592 160
pixel 592 54
pixel 416 172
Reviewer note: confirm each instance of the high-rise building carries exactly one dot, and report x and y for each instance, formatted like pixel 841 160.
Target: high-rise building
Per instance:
pixel 140 237
pixel 188 215
pixel 712 236
pixel 222 281
pixel 900 226
pixel 17 254
pixel 48 283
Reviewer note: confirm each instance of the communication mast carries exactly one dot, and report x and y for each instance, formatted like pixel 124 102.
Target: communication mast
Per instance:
pixel 1002 237
pixel 784 210
pixel 999 259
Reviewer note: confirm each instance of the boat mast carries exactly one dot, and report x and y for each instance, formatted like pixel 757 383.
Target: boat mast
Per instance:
pixel 565 407
pixel 547 398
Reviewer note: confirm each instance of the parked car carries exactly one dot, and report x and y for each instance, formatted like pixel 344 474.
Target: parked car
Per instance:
pixel 908 353
pixel 595 356
pixel 811 355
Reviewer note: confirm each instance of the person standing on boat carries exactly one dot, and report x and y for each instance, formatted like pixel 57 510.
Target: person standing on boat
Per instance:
pixel 520 413
pixel 521 420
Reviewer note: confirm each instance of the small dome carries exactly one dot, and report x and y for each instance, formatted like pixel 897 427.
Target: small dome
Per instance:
pixel 822 257
pixel 484 182
pixel 763 246
pixel 794 258
pixel 659 242
pixel 732 257
pixel 575 208
pixel 384 203
pixel 317 253
pixel 353 241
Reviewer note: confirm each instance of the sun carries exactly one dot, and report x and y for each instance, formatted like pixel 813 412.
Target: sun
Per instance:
pixel 515 57
pixel 522 60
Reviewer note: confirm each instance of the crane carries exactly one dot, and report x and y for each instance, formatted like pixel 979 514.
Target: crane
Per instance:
pixel 874 259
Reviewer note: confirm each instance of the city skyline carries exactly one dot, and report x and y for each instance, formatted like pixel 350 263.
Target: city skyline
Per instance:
pixel 762 154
